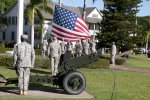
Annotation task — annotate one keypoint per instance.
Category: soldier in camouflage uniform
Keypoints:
(24, 57)
(44, 47)
(85, 47)
(78, 48)
(54, 53)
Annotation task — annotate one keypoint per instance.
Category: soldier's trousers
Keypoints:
(23, 79)
(113, 59)
(54, 65)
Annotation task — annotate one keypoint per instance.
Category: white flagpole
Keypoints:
(20, 19)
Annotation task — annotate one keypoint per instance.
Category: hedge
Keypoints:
(44, 63)
(39, 62)
(118, 60)
(2, 50)
(99, 64)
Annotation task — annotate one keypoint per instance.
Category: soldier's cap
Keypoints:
(24, 36)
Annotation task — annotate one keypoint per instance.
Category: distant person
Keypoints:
(113, 53)
(78, 48)
(85, 45)
(44, 47)
(54, 53)
(24, 57)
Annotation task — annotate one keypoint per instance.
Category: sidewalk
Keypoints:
(136, 69)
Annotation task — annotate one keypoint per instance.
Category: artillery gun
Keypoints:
(68, 79)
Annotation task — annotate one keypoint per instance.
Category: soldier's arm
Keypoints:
(32, 57)
(15, 56)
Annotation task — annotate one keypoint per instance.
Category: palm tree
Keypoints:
(37, 7)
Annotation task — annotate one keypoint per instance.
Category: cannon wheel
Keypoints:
(74, 83)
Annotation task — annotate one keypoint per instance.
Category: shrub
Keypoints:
(2, 45)
(2, 50)
(118, 60)
(39, 62)
(99, 64)
(38, 51)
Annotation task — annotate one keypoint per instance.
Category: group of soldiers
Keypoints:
(24, 57)
(57, 51)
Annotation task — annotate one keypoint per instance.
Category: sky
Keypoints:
(144, 9)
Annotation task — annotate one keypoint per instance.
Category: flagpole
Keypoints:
(20, 19)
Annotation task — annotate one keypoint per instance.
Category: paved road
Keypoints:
(137, 69)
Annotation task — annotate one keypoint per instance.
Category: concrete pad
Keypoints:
(11, 92)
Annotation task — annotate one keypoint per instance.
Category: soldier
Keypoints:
(93, 46)
(85, 47)
(78, 47)
(113, 53)
(54, 53)
(69, 48)
(44, 47)
(24, 57)
(63, 47)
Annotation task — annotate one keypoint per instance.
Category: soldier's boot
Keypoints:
(25, 93)
(20, 92)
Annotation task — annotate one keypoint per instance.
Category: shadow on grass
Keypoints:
(39, 71)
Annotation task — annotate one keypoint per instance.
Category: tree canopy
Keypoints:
(119, 24)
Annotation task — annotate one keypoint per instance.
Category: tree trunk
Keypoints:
(32, 33)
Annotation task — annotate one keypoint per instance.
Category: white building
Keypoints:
(93, 17)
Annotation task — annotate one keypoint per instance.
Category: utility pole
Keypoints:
(84, 10)
(59, 3)
(20, 19)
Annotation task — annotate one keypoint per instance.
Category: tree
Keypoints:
(36, 7)
(118, 25)
(5, 5)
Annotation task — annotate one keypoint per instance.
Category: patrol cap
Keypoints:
(24, 36)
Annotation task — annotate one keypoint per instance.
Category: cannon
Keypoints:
(68, 78)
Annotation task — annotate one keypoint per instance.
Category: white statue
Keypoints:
(54, 53)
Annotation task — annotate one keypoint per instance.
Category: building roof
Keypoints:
(77, 10)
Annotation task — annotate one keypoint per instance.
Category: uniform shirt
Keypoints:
(24, 55)
(54, 49)
(113, 50)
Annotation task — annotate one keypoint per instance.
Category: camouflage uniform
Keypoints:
(54, 52)
(24, 57)
(113, 53)
(44, 48)
(78, 47)
(85, 47)
(63, 47)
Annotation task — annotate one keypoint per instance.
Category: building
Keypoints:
(9, 34)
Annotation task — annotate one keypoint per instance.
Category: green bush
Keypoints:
(99, 64)
(118, 60)
(38, 51)
(2, 50)
(2, 45)
(39, 62)
(42, 63)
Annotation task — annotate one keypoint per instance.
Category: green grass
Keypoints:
(138, 61)
(129, 85)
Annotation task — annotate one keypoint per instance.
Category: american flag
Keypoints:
(68, 26)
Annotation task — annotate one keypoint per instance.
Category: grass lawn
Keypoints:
(129, 85)
(138, 61)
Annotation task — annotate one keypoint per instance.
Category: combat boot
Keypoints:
(25, 93)
(20, 92)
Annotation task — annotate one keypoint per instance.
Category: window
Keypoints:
(95, 15)
(25, 33)
(16, 20)
(12, 36)
(36, 21)
(9, 20)
(91, 26)
(97, 27)
(13, 20)
(4, 35)
(25, 22)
